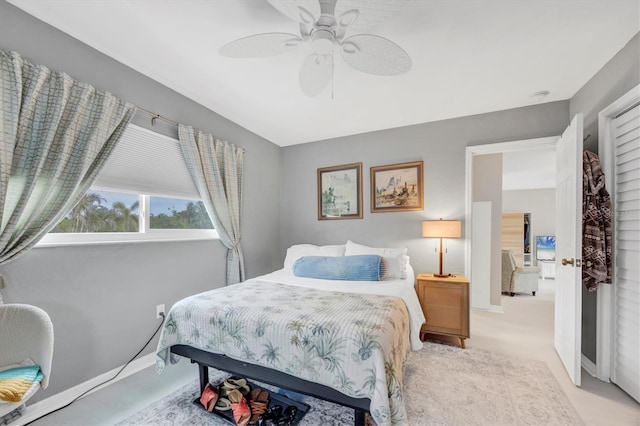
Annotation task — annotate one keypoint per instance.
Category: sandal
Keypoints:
(288, 415)
(241, 411)
(258, 401)
(231, 384)
(271, 415)
(209, 397)
(235, 382)
(223, 404)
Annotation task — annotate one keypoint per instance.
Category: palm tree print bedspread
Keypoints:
(355, 343)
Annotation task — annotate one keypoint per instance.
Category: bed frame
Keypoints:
(273, 377)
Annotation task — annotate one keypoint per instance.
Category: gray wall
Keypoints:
(102, 298)
(487, 186)
(441, 145)
(617, 77)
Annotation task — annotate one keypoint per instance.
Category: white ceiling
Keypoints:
(469, 57)
(530, 169)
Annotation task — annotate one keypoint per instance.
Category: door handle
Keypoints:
(566, 262)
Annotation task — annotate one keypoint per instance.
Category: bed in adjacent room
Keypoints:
(344, 340)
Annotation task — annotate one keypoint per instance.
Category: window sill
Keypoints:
(165, 235)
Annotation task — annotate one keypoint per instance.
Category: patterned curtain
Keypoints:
(216, 168)
(55, 136)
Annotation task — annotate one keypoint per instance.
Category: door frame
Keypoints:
(604, 297)
(493, 148)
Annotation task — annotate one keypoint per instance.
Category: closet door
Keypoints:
(626, 222)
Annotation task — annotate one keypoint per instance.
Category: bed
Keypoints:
(345, 341)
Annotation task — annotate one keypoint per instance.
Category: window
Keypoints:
(143, 193)
(102, 211)
(174, 213)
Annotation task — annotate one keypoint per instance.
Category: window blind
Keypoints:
(626, 339)
(149, 163)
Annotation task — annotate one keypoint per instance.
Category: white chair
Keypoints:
(516, 279)
(26, 337)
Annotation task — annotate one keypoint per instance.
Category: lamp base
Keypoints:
(442, 275)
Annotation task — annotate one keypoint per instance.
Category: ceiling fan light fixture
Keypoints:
(322, 43)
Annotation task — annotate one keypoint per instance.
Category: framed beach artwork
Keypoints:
(340, 192)
(397, 188)
(546, 247)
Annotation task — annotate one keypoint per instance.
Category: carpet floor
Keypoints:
(444, 385)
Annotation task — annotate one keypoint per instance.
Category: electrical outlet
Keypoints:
(159, 310)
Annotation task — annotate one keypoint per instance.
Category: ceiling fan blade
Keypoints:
(375, 55)
(315, 73)
(260, 45)
(302, 11)
(358, 15)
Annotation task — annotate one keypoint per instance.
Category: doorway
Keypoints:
(489, 294)
(538, 310)
(568, 147)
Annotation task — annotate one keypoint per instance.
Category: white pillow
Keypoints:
(295, 252)
(396, 258)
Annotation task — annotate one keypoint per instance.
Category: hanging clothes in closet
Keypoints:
(596, 224)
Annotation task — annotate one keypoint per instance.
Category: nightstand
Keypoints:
(445, 304)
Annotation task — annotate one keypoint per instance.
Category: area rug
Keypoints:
(444, 385)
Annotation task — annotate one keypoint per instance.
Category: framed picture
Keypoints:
(546, 247)
(397, 188)
(340, 192)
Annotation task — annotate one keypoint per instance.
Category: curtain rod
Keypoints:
(155, 117)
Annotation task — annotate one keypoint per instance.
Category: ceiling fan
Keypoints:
(324, 24)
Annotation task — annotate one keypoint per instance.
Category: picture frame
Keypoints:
(546, 247)
(340, 192)
(397, 187)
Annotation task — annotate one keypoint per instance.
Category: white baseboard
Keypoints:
(63, 398)
(589, 366)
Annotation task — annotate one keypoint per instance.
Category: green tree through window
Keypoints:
(192, 216)
(94, 214)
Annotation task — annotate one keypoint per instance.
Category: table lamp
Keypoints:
(441, 229)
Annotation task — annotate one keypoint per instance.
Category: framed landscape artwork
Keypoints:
(397, 187)
(340, 192)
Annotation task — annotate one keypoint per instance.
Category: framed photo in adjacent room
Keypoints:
(546, 247)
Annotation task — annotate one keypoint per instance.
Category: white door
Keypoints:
(626, 188)
(568, 302)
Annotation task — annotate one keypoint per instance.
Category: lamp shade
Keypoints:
(441, 228)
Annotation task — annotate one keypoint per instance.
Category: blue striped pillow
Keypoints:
(365, 267)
